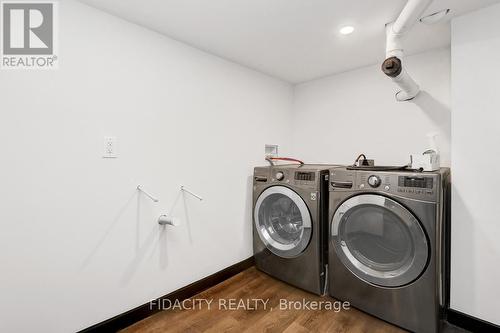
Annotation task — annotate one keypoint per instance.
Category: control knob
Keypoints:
(374, 181)
(280, 175)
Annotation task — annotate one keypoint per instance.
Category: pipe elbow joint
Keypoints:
(393, 68)
(394, 42)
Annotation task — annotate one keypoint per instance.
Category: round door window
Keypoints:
(282, 221)
(379, 240)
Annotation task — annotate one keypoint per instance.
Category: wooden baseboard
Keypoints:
(470, 323)
(141, 312)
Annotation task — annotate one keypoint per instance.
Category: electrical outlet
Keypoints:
(271, 150)
(110, 150)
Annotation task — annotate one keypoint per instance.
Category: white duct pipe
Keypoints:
(410, 15)
(395, 33)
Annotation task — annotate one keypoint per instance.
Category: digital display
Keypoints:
(416, 182)
(309, 176)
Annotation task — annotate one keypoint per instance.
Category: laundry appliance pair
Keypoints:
(374, 237)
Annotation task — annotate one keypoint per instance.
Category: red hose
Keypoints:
(289, 159)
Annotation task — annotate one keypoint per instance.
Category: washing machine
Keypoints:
(388, 238)
(290, 221)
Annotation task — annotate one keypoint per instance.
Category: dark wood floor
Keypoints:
(252, 284)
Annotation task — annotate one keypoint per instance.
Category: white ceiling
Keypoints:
(295, 40)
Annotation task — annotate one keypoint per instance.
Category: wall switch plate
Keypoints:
(110, 149)
(271, 151)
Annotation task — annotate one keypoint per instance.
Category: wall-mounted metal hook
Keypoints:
(152, 197)
(193, 194)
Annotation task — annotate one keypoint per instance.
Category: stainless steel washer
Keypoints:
(387, 244)
(290, 223)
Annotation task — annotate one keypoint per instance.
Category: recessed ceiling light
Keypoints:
(347, 30)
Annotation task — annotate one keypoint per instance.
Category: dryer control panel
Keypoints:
(420, 186)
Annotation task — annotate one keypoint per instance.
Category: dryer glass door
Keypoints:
(379, 240)
(283, 221)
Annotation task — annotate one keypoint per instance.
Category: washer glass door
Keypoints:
(283, 221)
(379, 240)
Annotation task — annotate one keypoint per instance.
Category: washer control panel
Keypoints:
(287, 176)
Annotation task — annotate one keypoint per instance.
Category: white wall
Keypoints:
(77, 243)
(475, 248)
(340, 116)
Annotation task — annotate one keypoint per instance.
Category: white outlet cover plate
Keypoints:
(110, 147)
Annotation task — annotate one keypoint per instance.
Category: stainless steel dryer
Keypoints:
(290, 223)
(387, 244)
